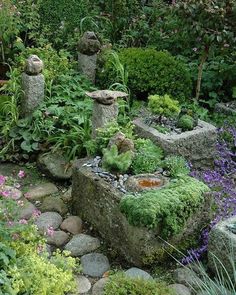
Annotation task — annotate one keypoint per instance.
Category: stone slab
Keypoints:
(197, 146)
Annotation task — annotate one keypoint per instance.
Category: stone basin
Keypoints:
(98, 202)
(143, 182)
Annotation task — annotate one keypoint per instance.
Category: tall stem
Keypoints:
(200, 71)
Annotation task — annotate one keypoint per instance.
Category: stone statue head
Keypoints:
(33, 65)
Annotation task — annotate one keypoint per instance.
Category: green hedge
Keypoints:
(149, 72)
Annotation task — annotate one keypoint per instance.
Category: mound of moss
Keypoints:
(169, 207)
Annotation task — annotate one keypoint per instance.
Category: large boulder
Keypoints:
(55, 166)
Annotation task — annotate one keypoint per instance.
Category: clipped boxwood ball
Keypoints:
(149, 72)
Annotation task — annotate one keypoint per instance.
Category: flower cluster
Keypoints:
(221, 181)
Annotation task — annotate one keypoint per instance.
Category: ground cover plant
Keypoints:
(25, 267)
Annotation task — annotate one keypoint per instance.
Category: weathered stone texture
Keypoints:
(103, 114)
(222, 247)
(33, 87)
(197, 146)
(97, 202)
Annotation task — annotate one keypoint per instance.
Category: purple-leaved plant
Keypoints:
(221, 181)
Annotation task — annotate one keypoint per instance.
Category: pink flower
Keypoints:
(36, 213)
(5, 194)
(21, 174)
(10, 223)
(50, 231)
(23, 221)
(2, 179)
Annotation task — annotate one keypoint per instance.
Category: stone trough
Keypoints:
(97, 202)
(197, 146)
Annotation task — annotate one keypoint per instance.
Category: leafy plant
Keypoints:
(171, 206)
(147, 156)
(176, 166)
(121, 284)
(185, 122)
(150, 72)
(115, 162)
(163, 106)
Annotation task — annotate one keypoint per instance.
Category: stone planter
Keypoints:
(222, 244)
(197, 146)
(225, 109)
(97, 202)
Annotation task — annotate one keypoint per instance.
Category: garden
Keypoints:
(118, 147)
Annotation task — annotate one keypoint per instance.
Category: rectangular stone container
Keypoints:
(97, 202)
(222, 244)
(197, 146)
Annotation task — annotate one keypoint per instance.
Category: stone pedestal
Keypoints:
(87, 65)
(103, 114)
(33, 93)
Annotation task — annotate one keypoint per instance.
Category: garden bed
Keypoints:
(197, 146)
(98, 202)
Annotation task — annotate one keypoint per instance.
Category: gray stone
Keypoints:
(98, 202)
(87, 65)
(54, 204)
(33, 65)
(33, 93)
(11, 191)
(135, 272)
(102, 115)
(94, 264)
(197, 146)
(188, 277)
(222, 248)
(72, 224)
(48, 219)
(40, 191)
(55, 166)
(83, 285)
(81, 244)
(123, 144)
(66, 197)
(106, 97)
(180, 289)
(26, 211)
(98, 287)
(89, 43)
(58, 239)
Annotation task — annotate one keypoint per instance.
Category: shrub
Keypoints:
(147, 156)
(186, 122)
(171, 206)
(120, 284)
(150, 72)
(114, 162)
(163, 105)
(176, 166)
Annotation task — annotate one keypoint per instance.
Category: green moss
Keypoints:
(176, 166)
(120, 284)
(169, 207)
